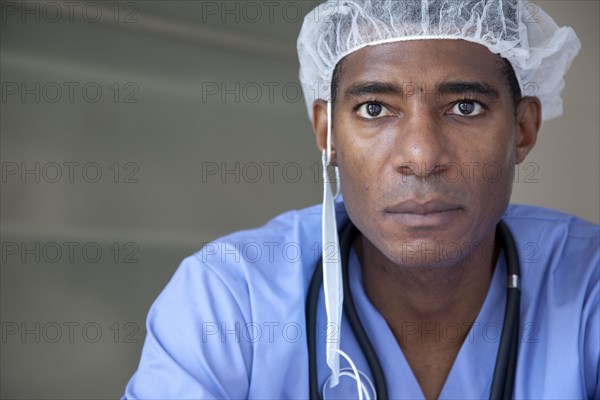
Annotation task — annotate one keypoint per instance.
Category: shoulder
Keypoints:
(237, 301)
(282, 239)
(550, 221)
(560, 289)
(276, 259)
(560, 264)
(290, 241)
(554, 242)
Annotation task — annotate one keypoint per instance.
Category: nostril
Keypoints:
(409, 168)
(421, 169)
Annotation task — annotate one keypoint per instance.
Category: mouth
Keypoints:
(423, 214)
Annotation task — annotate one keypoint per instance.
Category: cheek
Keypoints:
(353, 161)
(362, 154)
(355, 179)
(359, 179)
(494, 149)
(492, 180)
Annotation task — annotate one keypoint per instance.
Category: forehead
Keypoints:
(423, 61)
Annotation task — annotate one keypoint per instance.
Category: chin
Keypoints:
(426, 253)
(423, 246)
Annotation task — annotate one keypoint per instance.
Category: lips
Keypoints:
(432, 214)
(428, 207)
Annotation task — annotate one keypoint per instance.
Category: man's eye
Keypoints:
(372, 110)
(467, 108)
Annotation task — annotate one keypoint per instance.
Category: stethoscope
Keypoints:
(504, 372)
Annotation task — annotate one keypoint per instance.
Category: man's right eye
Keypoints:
(372, 110)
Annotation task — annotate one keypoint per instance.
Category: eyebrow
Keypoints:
(443, 88)
(373, 87)
(457, 88)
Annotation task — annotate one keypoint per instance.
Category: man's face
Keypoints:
(426, 140)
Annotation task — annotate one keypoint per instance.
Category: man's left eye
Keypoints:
(467, 108)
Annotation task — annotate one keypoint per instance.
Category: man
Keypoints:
(417, 100)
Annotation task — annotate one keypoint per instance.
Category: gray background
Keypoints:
(149, 113)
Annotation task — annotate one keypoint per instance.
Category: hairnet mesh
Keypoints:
(539, 51)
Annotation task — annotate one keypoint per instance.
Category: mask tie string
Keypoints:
(332, 271)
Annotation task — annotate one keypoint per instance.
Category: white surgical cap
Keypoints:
(539, 51)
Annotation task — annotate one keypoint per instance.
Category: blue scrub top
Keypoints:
(231, 322)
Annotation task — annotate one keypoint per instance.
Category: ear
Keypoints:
(529, 122)
(320, 127)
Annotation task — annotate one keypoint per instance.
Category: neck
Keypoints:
(430, 310)
(428, 294)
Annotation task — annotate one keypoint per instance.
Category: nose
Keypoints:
(420, 147)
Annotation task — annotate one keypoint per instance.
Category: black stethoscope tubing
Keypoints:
(504, 372)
